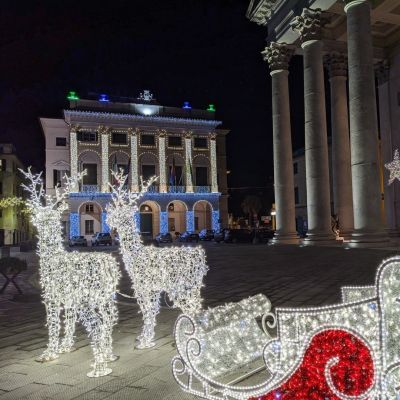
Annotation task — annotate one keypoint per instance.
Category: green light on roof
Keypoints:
(72, 96)
(211, 108)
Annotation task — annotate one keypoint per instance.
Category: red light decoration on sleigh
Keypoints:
(346, 351)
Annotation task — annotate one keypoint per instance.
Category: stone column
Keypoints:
(278, 56)
(308, 25)
(134, 161)
(104, 161)
(341, 159)
(368, 226)
(188, 163)
(162, 162)
(213, 163)
(73, 148)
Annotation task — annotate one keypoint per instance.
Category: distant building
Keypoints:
(182, 146)
(14, 225)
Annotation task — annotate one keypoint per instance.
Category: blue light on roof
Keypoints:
(104, 97)
(186, 105)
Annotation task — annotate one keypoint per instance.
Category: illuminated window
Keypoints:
(148, 140)
(200, 143)
(87, 136)
(61, 141)
(119, 138)
(174, 141)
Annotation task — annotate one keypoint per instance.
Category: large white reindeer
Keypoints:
(81, 284)
(177, 271)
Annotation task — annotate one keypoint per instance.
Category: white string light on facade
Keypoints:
(83, 285)
(346, 351)
(176, 271)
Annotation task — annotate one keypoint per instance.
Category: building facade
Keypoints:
(14, 224)
(358, 42)
(181, 146)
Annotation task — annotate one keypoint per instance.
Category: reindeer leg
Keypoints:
(150, 308)
(53, 324)
(110, 316)
(95, 328)
(69, 321)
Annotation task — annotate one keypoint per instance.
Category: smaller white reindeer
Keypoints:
(177, 271)
(81, 284)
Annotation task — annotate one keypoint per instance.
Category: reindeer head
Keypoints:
(124, 203)
(46, 210)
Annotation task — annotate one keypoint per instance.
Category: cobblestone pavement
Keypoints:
(288, 275)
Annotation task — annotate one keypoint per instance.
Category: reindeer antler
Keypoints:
(36, 182)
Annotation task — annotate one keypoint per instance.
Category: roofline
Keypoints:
(139, 118)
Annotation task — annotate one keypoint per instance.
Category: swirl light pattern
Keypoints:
(346, 351)
(177, 271)
(82, 285)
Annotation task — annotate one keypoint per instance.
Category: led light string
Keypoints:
(83, 285)
(177, 271)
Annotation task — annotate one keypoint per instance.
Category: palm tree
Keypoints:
(251, 206)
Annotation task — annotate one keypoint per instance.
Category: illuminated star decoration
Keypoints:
(394, 167)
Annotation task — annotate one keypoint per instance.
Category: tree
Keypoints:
(251, 206)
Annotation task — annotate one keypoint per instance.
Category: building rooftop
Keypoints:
(144, 105)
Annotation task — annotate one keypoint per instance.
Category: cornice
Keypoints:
(88, 116)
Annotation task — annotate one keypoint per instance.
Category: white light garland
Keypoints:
(134, 162)
(188, 163)
(81, 284)
(176, 271)
(364, 330)
(162, 162)
(104, 162)
(213, 162)
(73, 143)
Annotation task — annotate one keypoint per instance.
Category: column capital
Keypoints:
(74, 128)
(212, 136)
(188, 134)
(351, 3)
(309, 24)
(162, 133)
(382, 70)
(277, 55)
(336, 63)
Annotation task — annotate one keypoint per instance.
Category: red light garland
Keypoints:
(352, 375)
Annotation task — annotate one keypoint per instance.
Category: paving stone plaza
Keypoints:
(288, 275)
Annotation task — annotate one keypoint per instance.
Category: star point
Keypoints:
(394, 167)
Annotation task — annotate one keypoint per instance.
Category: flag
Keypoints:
(172, 175)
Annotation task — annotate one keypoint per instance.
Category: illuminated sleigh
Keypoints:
(346, 351)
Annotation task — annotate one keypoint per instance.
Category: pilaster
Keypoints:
(188, 163)
(213, 163)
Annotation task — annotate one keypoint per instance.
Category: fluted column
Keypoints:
(188, 163)
(368, 226)
(308, 25)
(134, 160)
(278, 56)
(104, 161)
(213, 163)
(73, 148)
(341, 160)
(162, 162)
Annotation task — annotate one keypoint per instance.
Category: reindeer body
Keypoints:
(81, 284)
(176, 271)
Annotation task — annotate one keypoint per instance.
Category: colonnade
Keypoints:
(104, 134)
(355, 168)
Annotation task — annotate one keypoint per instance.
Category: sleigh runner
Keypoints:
(345, 351)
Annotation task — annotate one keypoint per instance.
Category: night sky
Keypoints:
(202, 51)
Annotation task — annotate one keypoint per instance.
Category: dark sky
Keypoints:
(202, 51)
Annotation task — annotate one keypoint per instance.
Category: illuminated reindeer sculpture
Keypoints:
(81, 284)
(177, 271)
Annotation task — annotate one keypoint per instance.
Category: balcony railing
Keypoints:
(202, 189)
(176, 189)
(89, 188)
